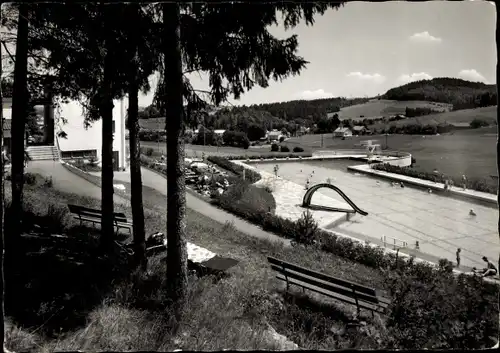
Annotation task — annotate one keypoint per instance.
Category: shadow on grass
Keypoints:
(53, 282)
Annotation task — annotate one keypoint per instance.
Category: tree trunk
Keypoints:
(2, 196)
(19, 109)
(107, 191)
(135, 177)
(176, 187)
(498, 127)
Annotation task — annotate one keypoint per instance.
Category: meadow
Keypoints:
(469, 152)
(385, 107)
(488, 114)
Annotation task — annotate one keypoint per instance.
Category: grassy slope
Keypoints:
(460, 116)
(211, 323)
(471, 152)
(384, 107)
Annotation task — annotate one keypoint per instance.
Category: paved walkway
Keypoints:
(159, 183)
(66, 181)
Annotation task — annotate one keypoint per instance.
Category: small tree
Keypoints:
(306, 229)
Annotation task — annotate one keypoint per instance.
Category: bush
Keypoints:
(306, 229)
(30, 178)
(477, 123)
(282, 138)
(284, 148)
(274, 147)
(149, 152)
(474, 184)
(298, 149)
(247, 198)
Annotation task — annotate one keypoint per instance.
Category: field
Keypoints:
(459, 116)
(472, 152)
(378, 108)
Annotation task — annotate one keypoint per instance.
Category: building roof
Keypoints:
(220, 131)
(342, 129)
(359, 128)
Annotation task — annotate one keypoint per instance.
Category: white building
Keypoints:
(80, 142)
(342, 132)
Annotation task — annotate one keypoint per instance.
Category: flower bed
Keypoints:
(473, 184)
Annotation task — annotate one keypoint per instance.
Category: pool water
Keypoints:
(440, 224)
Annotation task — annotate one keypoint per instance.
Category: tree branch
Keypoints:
(8, 52)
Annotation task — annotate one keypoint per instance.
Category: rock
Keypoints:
(283, 343)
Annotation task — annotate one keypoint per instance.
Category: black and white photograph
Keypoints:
(223, 175)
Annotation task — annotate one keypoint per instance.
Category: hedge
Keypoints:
(270, 155)
(250, 175)
(473, 184)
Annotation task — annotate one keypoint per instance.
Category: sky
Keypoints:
(364, 49)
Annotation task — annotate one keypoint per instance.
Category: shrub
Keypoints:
(48, 182)
(149, 152)
(477, 123)
(247, 198)
(284, 148)
(282, 138)
(298, 149)
(30, 178)
(306, 229)
(274, 147)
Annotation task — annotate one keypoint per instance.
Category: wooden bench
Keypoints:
(95, 216)
(346, 291)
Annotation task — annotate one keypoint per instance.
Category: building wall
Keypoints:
(78, 138)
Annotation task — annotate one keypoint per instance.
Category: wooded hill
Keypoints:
(460, 93)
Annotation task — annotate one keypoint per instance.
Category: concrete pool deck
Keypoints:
(456, 190)
(441, 224)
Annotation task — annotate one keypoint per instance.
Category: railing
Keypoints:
(394, 243)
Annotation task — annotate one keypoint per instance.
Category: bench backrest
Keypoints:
(333, 284)
(84, 211)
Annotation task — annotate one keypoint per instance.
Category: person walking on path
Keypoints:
(464, 182)
(458, 257)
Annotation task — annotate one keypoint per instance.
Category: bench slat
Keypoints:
(343, 290)
(345, 299)
(357, 287)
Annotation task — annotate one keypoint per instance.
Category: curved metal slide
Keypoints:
(308, 195)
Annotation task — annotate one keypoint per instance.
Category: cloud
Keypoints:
(377, 78)
(317, 94)
(425, 37)
(416, 76)
(471, 75)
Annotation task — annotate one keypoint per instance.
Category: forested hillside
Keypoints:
(462, 94)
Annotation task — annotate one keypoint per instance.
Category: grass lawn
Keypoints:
(376, 108)
(488, 114)
(127, 315)
(471, 152)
